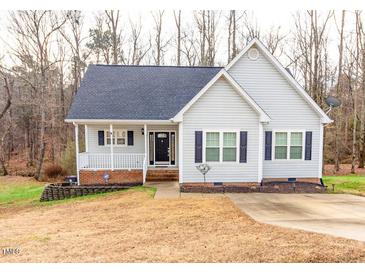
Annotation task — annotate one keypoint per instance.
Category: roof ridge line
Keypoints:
(154, 66)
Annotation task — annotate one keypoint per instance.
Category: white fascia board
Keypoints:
(116, 121)
(263, 116)
(324, 117)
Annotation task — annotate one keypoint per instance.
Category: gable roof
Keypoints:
(223, 73)
(121, 92)
(324, 117)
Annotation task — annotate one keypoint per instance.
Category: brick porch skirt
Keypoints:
(268, 186)
(116, 176)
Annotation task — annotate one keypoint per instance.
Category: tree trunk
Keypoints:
(338, 93)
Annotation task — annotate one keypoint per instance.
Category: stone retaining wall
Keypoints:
(58, 192)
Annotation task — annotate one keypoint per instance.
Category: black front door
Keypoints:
(162, 145)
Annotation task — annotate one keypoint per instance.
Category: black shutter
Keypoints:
(243, 147)
(308, 145)
(130, 138)
(198, 146)
(268, 144)
(101, 137)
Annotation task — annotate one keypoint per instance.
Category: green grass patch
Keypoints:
(352, 184)
(14, 194)
(20, 193)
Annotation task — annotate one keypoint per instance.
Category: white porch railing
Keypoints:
(104, 161)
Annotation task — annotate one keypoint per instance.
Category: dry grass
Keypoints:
(132, 227)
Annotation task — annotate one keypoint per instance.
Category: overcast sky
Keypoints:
(265, 19)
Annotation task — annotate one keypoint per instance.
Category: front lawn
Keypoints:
(352, 184)
(131, 226)
(17, 193)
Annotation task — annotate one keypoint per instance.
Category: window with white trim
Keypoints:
(296, 145)
(288, 145)
(229, 146)
(221, 146)
(212, 147)
(119, 137)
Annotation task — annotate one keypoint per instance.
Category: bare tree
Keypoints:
(138, 49)
(178, 38)
(207, 22)
(233, 23)
(158, 43)
(338, 92)
(34, 30)
(113, 18)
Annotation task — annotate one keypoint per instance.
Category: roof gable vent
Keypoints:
(253, 54)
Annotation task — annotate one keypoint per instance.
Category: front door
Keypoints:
(162, 147)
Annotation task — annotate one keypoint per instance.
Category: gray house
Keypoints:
(249, 121)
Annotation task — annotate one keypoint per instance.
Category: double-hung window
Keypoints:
(119, 137)
(212, 147)
(229, 146)
(221, 146)
(288, 145)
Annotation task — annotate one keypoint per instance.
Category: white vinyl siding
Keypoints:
(286, 108)
(221, 109)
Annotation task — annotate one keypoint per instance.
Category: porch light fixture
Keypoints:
(142, 131)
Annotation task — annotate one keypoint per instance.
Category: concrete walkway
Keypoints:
(335, 214)
(166, 190)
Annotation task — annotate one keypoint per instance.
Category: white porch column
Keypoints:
(181, 145)
(77, 151)
(145, 152)
(145, 139)
(86, 139)
(111, 146)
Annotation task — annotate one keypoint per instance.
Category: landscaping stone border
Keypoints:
(54, 192)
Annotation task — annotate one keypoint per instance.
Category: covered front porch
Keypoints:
(126, 152)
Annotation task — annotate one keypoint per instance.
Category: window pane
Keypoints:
(296, 152)
(280, 138)
(229, 139)
(108, 141)
(120, 141)
(229, 154)
(212, 155)
(296, 139)
(280, 152)
(212, 139)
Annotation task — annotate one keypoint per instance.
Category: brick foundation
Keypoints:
(299, 180)
(265, 187)
(116, 176)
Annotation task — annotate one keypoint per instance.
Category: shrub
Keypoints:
(54, 171)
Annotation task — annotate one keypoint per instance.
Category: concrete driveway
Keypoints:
(335, 214)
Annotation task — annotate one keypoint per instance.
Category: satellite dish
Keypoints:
(332, 102)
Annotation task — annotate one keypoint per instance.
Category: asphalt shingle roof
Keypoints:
(137, 92)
